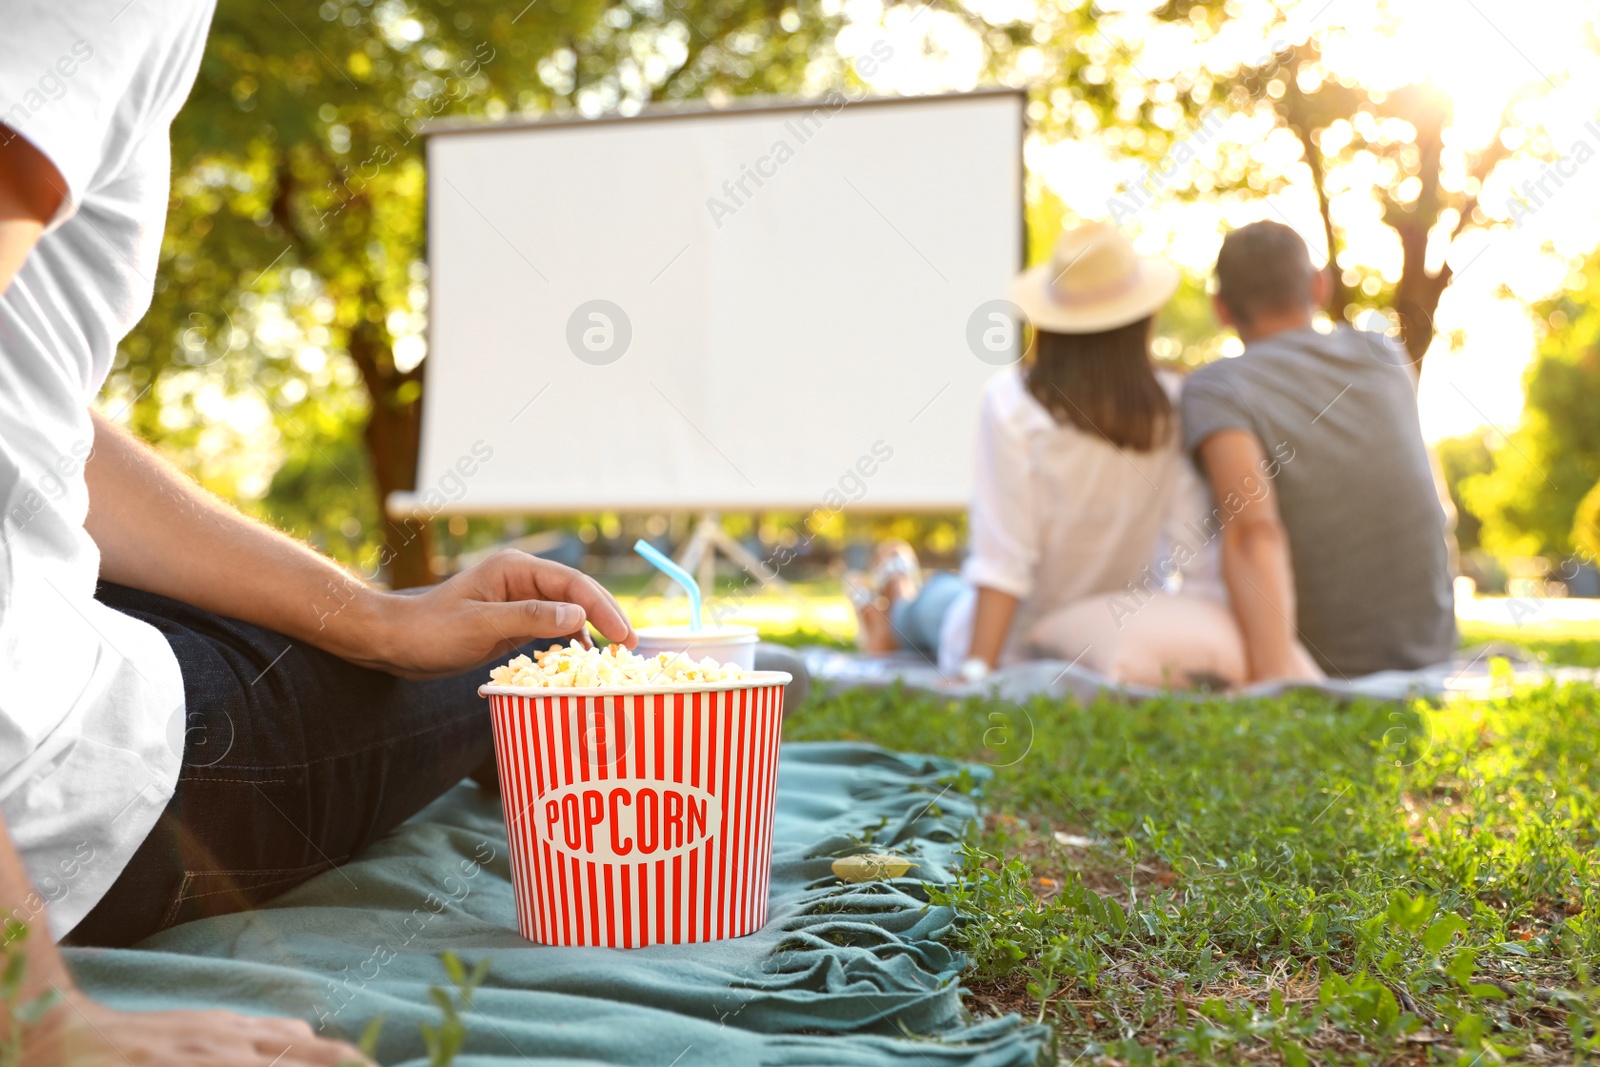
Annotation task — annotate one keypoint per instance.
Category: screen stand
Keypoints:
(699, 558)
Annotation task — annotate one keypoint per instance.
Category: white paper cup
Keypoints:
(725, 644)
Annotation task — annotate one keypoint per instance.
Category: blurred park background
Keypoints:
(1441, 156)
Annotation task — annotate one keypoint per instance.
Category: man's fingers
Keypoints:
(601, 611)
(528, 578)
(630, 638)
(292, 1043)
(309, 1051)
(555, 617)
(332, 1054)
(523, 620)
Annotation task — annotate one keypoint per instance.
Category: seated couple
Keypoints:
(1310, 543)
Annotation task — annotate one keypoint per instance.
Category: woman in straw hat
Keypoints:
(1087, 518)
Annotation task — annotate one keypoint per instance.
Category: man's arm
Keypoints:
(160, 532)
(1255, 556)
(30, 195)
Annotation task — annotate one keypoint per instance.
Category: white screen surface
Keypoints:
(775, 332)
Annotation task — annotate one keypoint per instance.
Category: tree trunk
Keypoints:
(394, 426)
(1338, 292)
(391, 436)
(1416, 297)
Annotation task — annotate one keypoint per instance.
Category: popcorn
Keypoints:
(575, 666)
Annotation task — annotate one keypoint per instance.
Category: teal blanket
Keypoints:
(841, 975)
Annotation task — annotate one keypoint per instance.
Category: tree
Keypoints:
(1586, 526)
(1420, 207)
(292, 278)
(1529, 502)
(1460, 459)
(1402, 147)
(292, 292)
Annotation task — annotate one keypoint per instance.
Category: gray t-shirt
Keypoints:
(1336, 415)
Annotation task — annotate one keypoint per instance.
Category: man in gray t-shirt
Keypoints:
(1331, 524)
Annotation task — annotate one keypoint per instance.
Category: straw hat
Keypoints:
(1094, 281)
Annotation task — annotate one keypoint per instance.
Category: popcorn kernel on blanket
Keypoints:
(574, 666)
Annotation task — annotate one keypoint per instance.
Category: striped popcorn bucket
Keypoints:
(639, 816)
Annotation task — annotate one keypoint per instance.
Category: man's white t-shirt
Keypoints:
(91, 700)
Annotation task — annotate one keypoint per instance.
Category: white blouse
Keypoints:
(1059, 514)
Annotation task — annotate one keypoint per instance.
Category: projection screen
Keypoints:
(720, 309)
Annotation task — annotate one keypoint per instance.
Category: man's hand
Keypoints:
(482, 614)
(81, 1033)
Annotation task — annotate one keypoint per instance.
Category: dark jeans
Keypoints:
(294, 761)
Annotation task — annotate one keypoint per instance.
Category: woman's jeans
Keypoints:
(294, 761)
(917, 621)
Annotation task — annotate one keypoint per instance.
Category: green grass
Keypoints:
(1576, 644)
(808, 637)
(1275, 881)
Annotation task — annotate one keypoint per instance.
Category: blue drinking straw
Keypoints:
(677, 574)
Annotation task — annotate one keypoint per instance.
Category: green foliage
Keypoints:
(1586, 525)
(1289, 879)
(368, 1044)
(444, 1041)
(20, 1014)
(1529, 501)
(1462, 458)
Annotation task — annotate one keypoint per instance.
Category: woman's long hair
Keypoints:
(1103, 383)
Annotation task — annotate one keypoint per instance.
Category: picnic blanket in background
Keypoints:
(842, 975)
(1474, 674)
